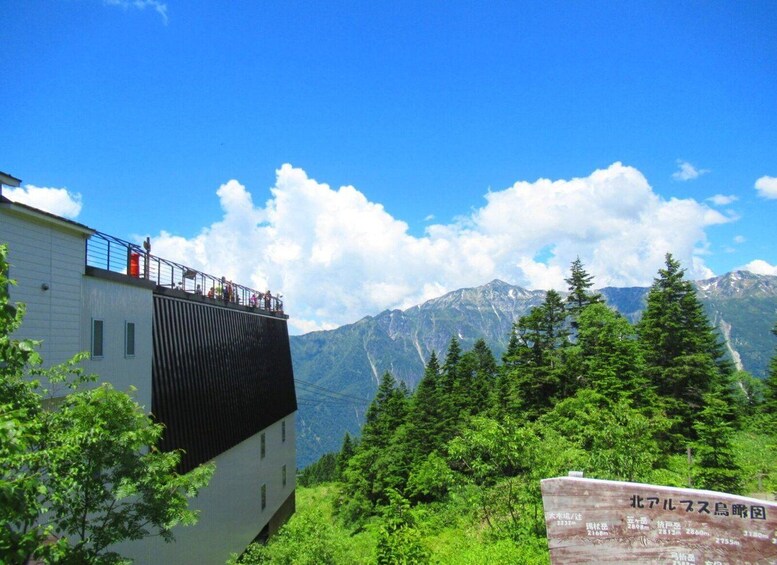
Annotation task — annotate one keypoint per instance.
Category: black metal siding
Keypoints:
(219, 375)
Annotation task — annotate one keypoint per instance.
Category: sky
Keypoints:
(357, 156)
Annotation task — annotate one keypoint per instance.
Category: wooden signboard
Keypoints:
(595, 521)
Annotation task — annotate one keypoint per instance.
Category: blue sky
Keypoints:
(364, 155)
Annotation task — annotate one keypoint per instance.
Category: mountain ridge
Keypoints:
(351, 359)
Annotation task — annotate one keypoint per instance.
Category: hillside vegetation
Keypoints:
(351, 359)
(450, 472)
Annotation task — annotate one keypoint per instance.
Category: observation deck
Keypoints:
(110, 254)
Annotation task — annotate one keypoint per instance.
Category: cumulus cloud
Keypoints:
(760, 267)
(336, 256)
(722, 199)
(686, 171)
(57, 201)
(767, 187)
(159, 7)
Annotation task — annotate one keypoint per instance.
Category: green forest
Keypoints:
(450, 472)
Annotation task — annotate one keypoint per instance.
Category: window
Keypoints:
(283, 431)
(129, 339)
(283, 475)
(264, 497)
(262, 446)
(97, 338)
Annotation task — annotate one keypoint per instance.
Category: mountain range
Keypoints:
(337, 371)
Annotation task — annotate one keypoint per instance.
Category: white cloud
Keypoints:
(739, 239)
(337, 257)
(158, 7)
(722, 199)
(57, 201)
(760, 267)
(687, 171)
(767, 187)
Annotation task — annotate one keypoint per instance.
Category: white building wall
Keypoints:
(51, 253)
(240, 474)
(116, 304)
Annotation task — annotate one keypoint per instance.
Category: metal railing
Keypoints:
(104, 251)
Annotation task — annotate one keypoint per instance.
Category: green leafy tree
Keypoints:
(399, 541)
(85, 475)
(620, 442)
(309, 538)
(431, 479)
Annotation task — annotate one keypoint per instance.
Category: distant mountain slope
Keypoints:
(351, 359)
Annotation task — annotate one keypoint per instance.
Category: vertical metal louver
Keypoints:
(219, 376)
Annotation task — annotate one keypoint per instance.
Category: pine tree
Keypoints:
(683, 357)
(718, 469)
(449, 390)
(483, 377)
(346, 452)
(385, 414)
(502, 394)
(536, 365)
(611, 362)
(426, 431)
(579, 282)
(770, 392)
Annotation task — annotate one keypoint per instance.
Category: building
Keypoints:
(209, 359)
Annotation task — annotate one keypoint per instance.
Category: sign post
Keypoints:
(596, 521)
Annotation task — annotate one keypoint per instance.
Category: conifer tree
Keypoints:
(346, 452)
(483, 377)
(579, 282)
(611, 361)
(718, 469)
(683, 357)
(770, 391)
(502, 395)
(449, 387)
(426, 433)
(385, 414)
(536, 365)
(372, 466)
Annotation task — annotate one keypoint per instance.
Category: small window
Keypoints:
(97, 338)
(283, 431)
(264, 497)
(262, 446)
(283, 474)
(129, 339)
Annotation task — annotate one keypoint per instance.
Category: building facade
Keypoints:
(208, 358)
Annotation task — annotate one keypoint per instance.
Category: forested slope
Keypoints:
(579, 387)
(350, 360)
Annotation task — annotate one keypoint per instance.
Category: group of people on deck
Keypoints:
(227, 291)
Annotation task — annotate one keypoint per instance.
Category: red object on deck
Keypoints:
(134, 265)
